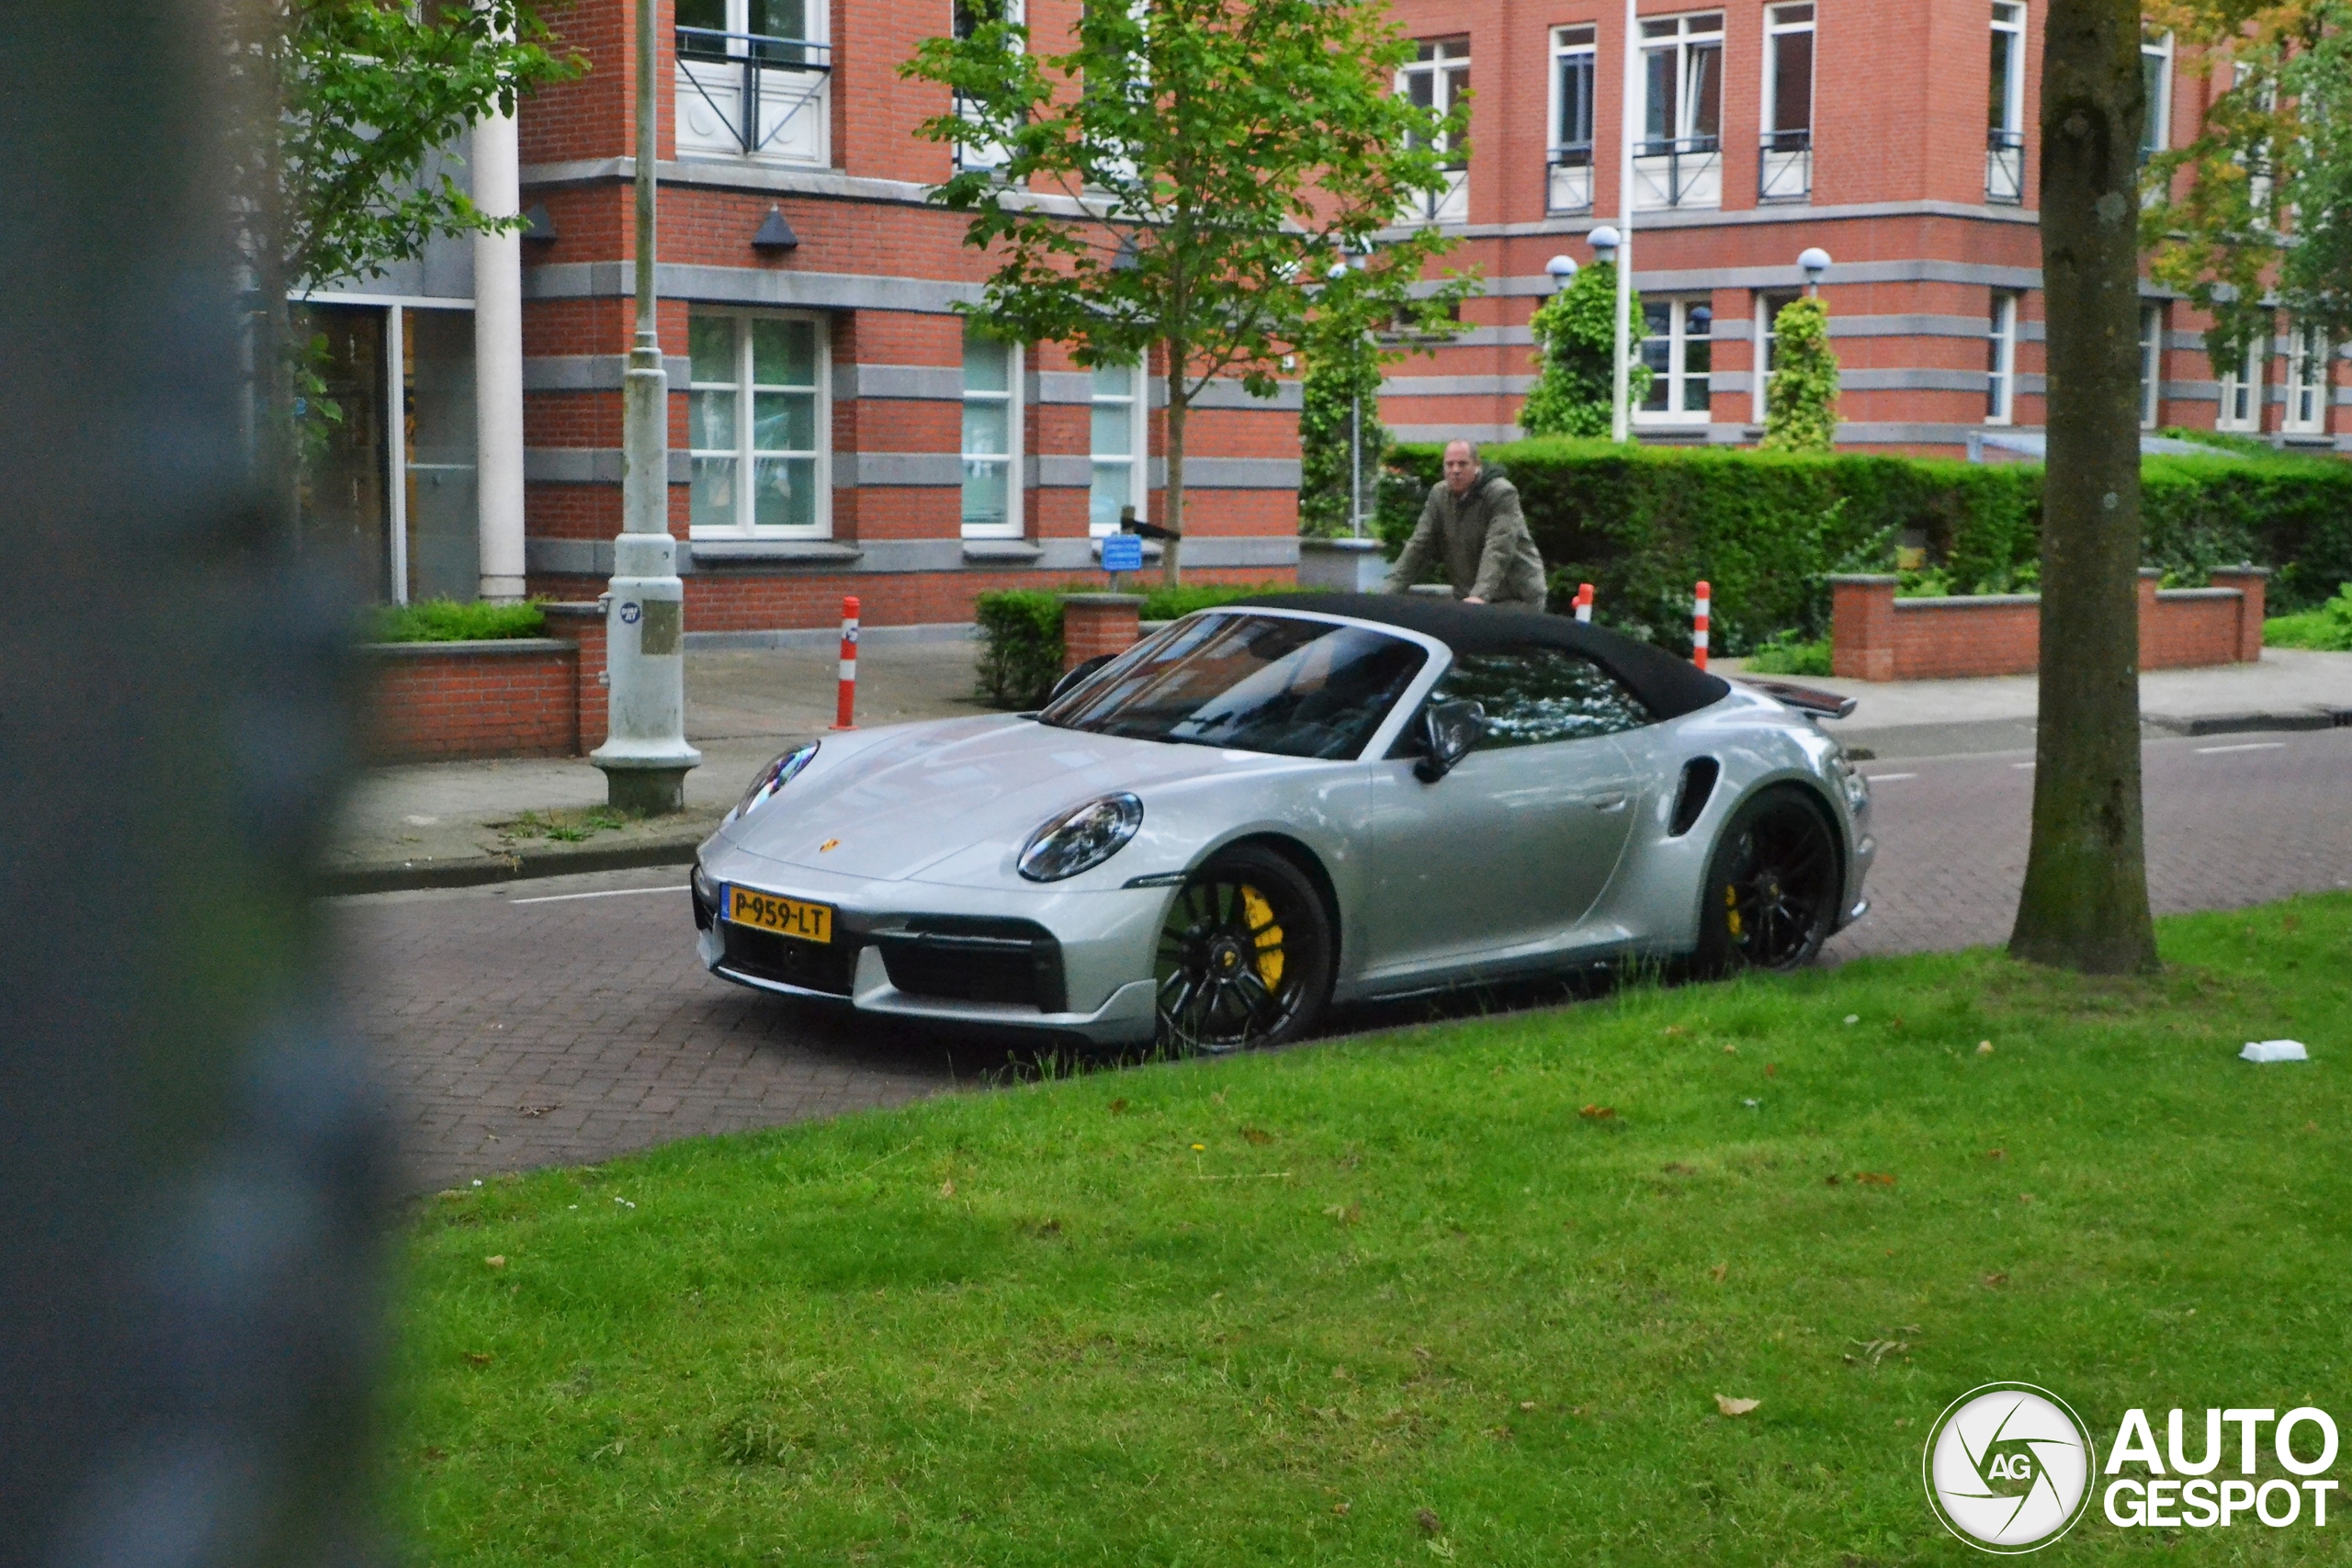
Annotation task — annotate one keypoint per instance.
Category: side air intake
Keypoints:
(1699, 775)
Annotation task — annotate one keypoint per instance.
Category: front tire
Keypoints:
(1772, 886)
(1245, 955)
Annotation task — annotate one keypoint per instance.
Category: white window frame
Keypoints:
(2005, 165)
(1677, 376)
(2001, 368)
(2152, 364)
(2241, 388)
(1010, 459)
(1568, 187)
(746, 391)
(1137, 461)
(993, 155)
(2308, 389)
(1767, 306)
(1441, 66)
(1692, 178)
(805, 135)
(1785, 174)
(2156, 135)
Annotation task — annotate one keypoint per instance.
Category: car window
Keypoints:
(1294, 687)
(1537, 694)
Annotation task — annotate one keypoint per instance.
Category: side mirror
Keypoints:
(1448, 732)
(1077, 676)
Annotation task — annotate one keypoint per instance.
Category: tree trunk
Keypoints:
(2086, 900)
(1171, 569)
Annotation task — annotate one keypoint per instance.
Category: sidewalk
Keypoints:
(2289, 690)
(451, 824)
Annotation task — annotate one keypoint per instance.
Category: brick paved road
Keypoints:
(519, 1033)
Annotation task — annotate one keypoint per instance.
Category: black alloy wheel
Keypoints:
(1772, 886)
(1245, 955)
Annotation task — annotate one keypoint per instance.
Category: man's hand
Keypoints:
(1472, 598)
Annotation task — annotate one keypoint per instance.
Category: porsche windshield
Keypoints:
(1296, 688)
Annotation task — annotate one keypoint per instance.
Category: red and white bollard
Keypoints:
(1698, 627)
(845, 710)
(1584, 603)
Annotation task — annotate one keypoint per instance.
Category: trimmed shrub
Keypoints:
(2327, 629)
(452, 620)
(1167, 604)
(1644, 525)
(1021, 645)
(1801, 400)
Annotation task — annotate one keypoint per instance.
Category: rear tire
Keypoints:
(1245, 955)
(1772, 886)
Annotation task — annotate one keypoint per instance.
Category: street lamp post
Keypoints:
(1607, 249)
(645, 756)
(1814, 262)
(1620, 412)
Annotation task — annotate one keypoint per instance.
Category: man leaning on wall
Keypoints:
(1472, 528)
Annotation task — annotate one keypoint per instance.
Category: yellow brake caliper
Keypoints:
(1731, 908)
(1260, 917)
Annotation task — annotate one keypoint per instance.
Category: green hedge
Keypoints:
(1645, 524)
(1021, 631)
(451, 620)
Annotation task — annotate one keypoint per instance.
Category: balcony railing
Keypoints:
(1686, 172)
(2005, 167)
(1451, 205)
(1569, 180)
(752, 94)
(1784, 168)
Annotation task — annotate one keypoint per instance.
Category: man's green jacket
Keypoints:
(1481, 540)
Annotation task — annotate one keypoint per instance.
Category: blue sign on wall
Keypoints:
(1122, 552)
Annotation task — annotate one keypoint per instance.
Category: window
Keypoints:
(2005, 108)
(756, 424)
(1680, 160)
(1768, 312)
(2257, 161)
(1570, 187)
(2307, 381)
(1785, 172)
(2156, 76)
(1118, 447)
(1435, 80)
(2242, 390)
(992, 435)
(2151, 365)
(1677, 345)
(971, 16)
(751, 80)
(1537, 696)
(1273, 683)
(2001, 361)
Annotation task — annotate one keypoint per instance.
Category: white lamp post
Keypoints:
(1814, 262)
(1608, 247)
(646, 757)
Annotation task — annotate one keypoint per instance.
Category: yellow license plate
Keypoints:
(786, 917)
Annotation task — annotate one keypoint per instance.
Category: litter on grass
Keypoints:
(2273, 1050)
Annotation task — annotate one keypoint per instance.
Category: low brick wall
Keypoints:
(1097, 624)
(437, 701)
(1876, 636)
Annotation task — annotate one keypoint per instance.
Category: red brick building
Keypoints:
(833, 429)
(1898, 135)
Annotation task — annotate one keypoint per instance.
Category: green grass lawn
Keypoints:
(1463, 1294)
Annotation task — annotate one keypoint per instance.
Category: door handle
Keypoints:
(1612, 801)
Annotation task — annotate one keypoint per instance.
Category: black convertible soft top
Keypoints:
(1668, 685)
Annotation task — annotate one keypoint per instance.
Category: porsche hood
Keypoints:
(909, 797)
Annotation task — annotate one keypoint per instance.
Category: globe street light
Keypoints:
(1563, 271)
(1814, 262)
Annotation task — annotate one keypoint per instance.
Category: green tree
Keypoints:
(2257, 213)
(1801, 400)
(1176, 182)
(2085, 904)
(1576, 357)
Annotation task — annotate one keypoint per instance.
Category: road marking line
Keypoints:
(609, 893)
(2248, 746)
(2021, 765)
(1888, 778)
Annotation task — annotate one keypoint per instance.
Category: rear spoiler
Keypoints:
(1809, 700)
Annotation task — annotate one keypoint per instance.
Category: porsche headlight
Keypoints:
(773, 777)
(1080, 839)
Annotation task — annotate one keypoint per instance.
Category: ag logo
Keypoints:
(2008, 1468)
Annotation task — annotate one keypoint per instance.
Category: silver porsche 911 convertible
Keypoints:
(1267, 808)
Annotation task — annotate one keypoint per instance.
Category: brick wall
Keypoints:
(437, 701)
(1877, 636)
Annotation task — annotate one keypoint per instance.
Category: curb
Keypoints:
(2240, 723)
(674, 846)
(1897, 742)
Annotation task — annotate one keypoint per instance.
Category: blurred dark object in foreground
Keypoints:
(191, 1170)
